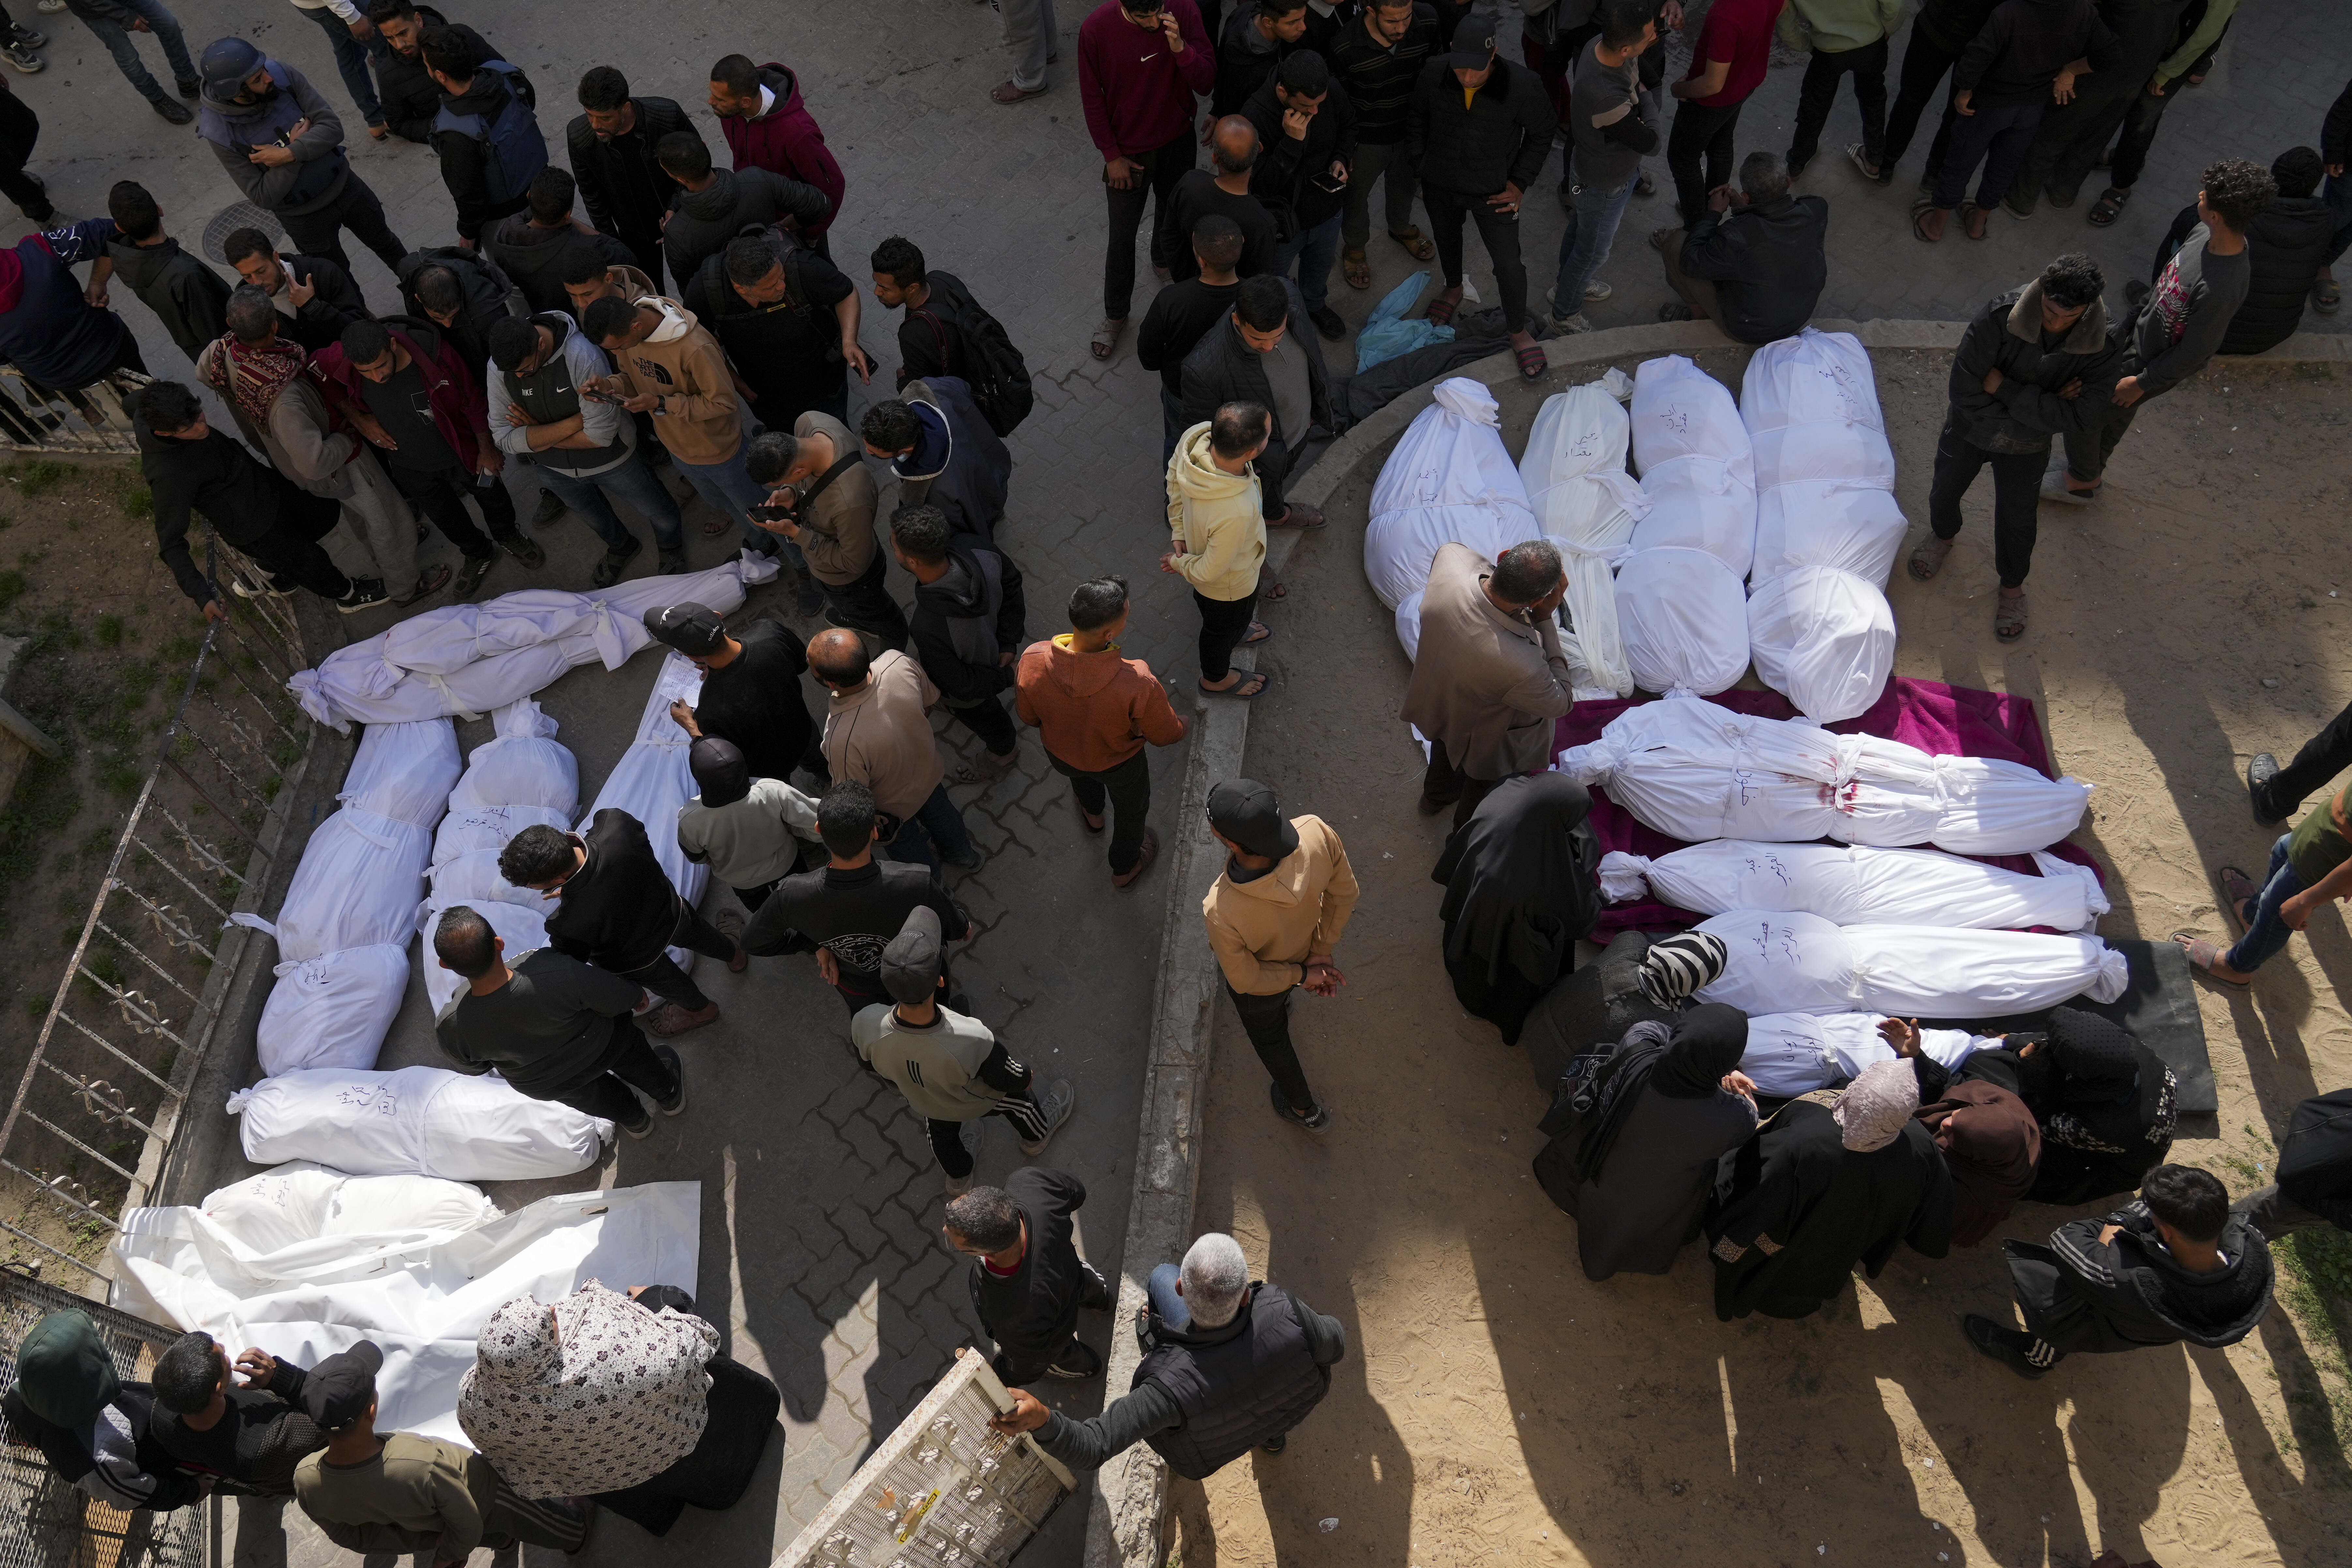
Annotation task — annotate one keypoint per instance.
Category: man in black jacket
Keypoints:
(787, 320)
(1476, 157)
(1378, 59)
(316, 297)
(531, 246)
(714, 205)
(476, 101)
(621, 184)
(255, 1433)
(188, 296)
(1308, 131)
(1257, 37)
(1223, 189)
(1755, 265)
(1028, 1279)
(552, 1027)
(462, 294)
(1230, 1365)
(1182, 315)
(616, 907)
(2034, 366)
(2176, 1265)
(969, 623)
(937, 304)
(1255, 357)
(189, 466)
(848, 912)
(96, 1431)
(411, 97)
(2283, 247)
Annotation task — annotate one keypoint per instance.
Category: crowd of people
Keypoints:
(543, 337)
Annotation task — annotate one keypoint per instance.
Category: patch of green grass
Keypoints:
(12, 587)
(109, 631)
(58, 630)
(44, 804)
(138, 502)
(38, 476)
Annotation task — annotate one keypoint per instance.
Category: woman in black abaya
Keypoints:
(1520, 891)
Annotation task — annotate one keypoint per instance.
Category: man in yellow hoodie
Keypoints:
(1218, 545)
(1274, 918)
(672, 368)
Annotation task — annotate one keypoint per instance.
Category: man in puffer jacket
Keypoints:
(714, 205)
(2035, 364)
(2283, 247)
(283, 145)
(1216, 518)
(479, 93)
(969, 622)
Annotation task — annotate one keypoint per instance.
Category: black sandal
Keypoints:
(2109, 207)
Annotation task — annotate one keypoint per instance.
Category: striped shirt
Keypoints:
(1378, 77)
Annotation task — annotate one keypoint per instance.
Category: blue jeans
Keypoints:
(729, 489)
(352, 62)
(631, 482)
(1999, 136)
(1314, 249)
(2266, 932)
(166, 28)
(937, 826)
(1592, 219)
(1166, 1305)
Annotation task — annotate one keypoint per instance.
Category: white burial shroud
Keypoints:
(1696, 463)
(1790, 1054)
(1852, 884)
(258, 1264)
(416, 1121)
(1782, 962)
(1448, 480)
(1684, 619)
(1824, 639)
(1696, 771)
(1586, 505)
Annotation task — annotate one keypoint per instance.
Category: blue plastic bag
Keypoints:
(1388, 334)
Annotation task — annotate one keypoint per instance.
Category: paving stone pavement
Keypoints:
(820, 1249)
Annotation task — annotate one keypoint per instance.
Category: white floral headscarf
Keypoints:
(593, 1394)
(1875, 1107)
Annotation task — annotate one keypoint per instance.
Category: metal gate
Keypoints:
(33, 418)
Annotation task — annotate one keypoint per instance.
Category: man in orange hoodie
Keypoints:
(1094, 712)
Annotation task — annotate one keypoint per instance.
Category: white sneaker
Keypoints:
(1056, 1099)
(1580, 322)
(1596, 291)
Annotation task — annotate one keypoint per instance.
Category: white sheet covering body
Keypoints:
(1790, 1054)
(465, 660)
(1684, 619)
(523, 774)
(419, 1122)
(1854, 527)
(1448, 480)
(421, 1294)
(1696, 466)
(1810, 406)
(1852, 884)
(1824, 639)
(1783, 962)
(652, 780)
(1697, 771)
(301, 1200)
(1587, 504)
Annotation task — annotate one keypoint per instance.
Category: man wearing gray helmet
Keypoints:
(283, 145)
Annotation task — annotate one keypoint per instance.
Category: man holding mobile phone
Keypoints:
(1308, 128)
(1140, 64)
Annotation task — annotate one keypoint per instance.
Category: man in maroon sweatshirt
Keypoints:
(1140, 64)
(767, 127)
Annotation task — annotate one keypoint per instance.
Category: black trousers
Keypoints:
(2139, 133)
(991, 720)
(290, 552)
(645, 242)
(1272, 472)
(1223, 624)
(865, 606)
(1021, 1110)
(1443, 783)
(2067, 144)
(20, 127)
(355, 207)
(752, 897)
(1867, 65)
(1926, 64)
(1125, 792)
(2016, 498)
(441, 496)
(1700, 134)
(665, 979)
(2323, 756)
(2088, 451)
(1267, 1021)
(1498, 231)
(1162, 167)
(607, 1094)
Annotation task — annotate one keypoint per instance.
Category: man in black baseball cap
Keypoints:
(393, 1493)
(1273, 919)
(751, 693)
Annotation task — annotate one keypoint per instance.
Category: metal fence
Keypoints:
(45, 1523)
(136, 1008)
(33, 418)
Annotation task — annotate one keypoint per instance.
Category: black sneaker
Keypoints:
(675, 1102)
(1096, 1298)
(1328, 323)
(2259, 773)
(2002, 1344)
(673, 563)
(24, 37)
(365, 591)
(1314, 1120)
(525, 548)
(643, 1127)
(1077, 1362)
(551, 509)
(173, 110)
(470, 575)
(190, 88)
(617, 561)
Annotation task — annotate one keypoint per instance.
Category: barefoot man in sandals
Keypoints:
(2310, 866)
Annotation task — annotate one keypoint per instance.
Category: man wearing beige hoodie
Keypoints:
(669, 367)
(1218, 523)
(1096, 711)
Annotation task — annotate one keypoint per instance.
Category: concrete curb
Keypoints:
(1125, 1508)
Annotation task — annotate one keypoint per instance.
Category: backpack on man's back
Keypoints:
(974, 345)
(513, 151)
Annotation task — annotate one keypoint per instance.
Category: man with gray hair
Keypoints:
(1228, 1365)
(1488, 678)
(1755, 264)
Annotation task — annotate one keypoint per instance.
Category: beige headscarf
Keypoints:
(1875, 1105)
(593, 1394)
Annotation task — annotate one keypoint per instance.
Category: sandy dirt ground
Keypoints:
(1497, 1407)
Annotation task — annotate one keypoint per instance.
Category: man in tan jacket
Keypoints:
(1274, 918)
(877, 731)
(1489, 677)
(822, 497)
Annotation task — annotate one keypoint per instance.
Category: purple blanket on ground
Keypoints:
(1939, 719)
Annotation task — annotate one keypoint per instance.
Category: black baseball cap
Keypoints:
(1246, 811)
(693, 630)
(1471, 53)
(337, 1390)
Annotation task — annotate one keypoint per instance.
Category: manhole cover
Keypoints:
(234, 216)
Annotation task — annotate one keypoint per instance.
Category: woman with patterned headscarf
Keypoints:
(1837, 1177)
(622, 1399)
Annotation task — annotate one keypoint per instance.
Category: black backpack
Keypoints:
(991, 365)
(718, 298)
